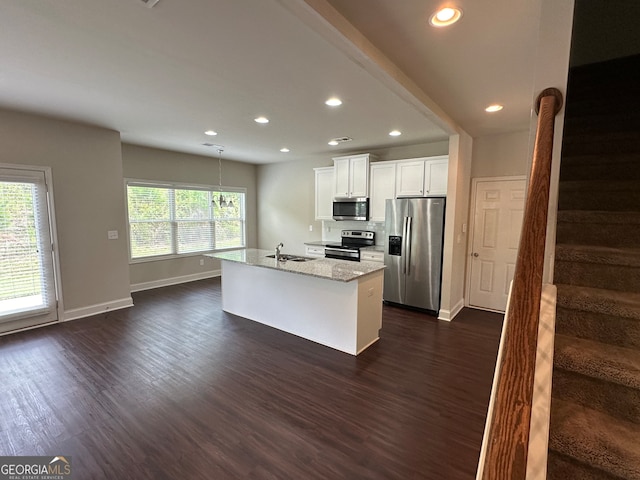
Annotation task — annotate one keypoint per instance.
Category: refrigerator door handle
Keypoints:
(403, 246)
(408, 247)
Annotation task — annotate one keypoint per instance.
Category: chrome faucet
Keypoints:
(278, 247)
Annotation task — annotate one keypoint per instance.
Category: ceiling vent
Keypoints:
(149, 3)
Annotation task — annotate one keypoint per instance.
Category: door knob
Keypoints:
(475, 254)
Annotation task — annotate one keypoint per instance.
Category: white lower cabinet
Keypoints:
(371, 256)
(314, 251)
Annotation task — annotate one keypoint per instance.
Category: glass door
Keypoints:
(27, 279)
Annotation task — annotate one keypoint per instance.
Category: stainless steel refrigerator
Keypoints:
(413, 252)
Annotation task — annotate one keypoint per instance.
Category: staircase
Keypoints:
(595, 409)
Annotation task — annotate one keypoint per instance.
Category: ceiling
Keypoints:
(162, 76)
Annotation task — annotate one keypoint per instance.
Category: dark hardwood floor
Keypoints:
(174, 388)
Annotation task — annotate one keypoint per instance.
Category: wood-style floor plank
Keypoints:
(175, 388)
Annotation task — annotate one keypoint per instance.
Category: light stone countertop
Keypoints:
(327, 268)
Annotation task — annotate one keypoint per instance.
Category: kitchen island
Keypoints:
(336, 303)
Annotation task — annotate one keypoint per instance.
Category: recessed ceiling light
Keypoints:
(334, 102)
(395, 133)
(285, 150)
(210, 133)
(333, 142)
(494, 108)
(445, 16)
(262, 120)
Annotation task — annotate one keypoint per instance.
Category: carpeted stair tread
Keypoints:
(599, 216)
(599, 300)
(595, 438)
(629, 257)
(600, 187)
(598, 360)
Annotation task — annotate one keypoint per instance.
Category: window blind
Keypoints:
(27, 285)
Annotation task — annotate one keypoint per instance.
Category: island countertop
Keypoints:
(327, 268)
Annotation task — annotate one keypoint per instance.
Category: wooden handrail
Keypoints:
(508, 434)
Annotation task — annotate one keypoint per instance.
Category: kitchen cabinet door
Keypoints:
(410, 178)
(383, 186)
(341, 172)
(359, 176)
(352, 176)
(437, 177)
(324, 193)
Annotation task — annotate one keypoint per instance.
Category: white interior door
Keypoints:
(27, 279)
(498, 212)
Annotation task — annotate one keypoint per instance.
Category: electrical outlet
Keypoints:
(201, 261)
(112, 234)
(311, 228)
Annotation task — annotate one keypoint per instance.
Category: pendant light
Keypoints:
(221, 201)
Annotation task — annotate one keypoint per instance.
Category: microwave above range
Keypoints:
(351, 208)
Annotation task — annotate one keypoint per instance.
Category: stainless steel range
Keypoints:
(349, 249)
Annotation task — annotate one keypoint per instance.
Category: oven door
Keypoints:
(351, 254)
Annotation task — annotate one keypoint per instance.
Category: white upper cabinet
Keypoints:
(436, 183)
(410, 178)
(352, 176)
(382, 186)
(422, 177)
(324, 193)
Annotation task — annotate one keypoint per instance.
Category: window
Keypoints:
(170, 220)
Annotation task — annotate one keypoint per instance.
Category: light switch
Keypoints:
(112, 234)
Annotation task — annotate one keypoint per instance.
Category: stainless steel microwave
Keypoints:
(351, 208)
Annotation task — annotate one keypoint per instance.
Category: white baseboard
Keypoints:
(76, 313)
(165, 282)
(448, 315)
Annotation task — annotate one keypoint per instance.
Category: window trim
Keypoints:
(136, 182)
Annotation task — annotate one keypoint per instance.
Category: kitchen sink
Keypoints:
(291, 258)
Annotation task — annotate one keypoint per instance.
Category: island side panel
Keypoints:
(324, 311)
(369, 309)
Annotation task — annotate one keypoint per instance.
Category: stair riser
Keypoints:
(562, 468)
(597, 275)
(585, 198)
(605, 235)
(615, 400)
(604, 328)
(581, 145)
(605, 171)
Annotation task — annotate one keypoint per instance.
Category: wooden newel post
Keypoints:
(508, 443)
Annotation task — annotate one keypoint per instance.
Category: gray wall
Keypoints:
(86, 168)
(163, 165)
(501, 155)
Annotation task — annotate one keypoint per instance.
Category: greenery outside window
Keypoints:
(167, 220)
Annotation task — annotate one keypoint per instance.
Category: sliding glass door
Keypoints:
(27, 279)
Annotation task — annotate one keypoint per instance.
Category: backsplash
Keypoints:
(331, 229)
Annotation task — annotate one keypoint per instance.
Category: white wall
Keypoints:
(454, 259)
(86, 166)
(163, 165)
(552, 69)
